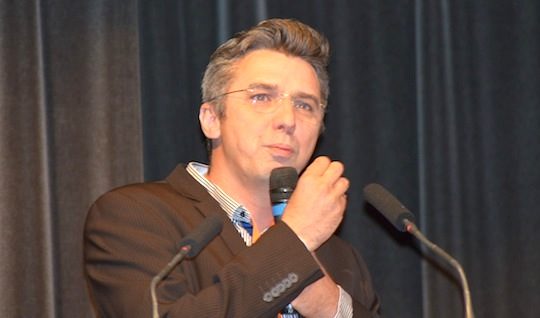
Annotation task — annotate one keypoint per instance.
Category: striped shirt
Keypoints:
(236, 212)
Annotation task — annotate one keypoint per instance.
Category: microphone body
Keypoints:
(190, 246)
(393, 210)
(282, 184)
(397, 214)
(202, 235)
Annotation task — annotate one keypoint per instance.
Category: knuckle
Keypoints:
(322, 160)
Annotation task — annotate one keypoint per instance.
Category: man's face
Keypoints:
(251, 143)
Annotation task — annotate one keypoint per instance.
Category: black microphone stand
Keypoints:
(184, 250)
(411, 228)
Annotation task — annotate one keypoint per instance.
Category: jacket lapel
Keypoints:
(188, 187)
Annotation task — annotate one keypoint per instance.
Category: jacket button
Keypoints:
(268, 297)
(293, 277)
(287, 282)
(275, 292)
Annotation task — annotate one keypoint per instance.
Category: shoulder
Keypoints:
(178, 188)
(134, 197)
(178, 199)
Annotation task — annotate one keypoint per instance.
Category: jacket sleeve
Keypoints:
(131, 234)
(348, 269)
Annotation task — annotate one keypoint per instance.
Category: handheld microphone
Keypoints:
(397, 214)
(282, 184)
(190, 246)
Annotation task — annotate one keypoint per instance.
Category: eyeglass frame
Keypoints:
(321, 109)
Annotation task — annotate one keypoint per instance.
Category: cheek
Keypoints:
(308, 142)
(247, 135)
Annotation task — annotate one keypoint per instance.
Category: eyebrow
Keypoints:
(263, 86)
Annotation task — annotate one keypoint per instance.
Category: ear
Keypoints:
(210, 122)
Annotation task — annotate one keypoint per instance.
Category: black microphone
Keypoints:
(198, 239)
(397, 214)
(190, 246)
(282, 184)
(388, 205)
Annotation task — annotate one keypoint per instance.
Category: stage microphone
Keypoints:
(190, 246)
(397, 214)
(282, 184)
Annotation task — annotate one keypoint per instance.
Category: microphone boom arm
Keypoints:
(412, 229)
(164, 272)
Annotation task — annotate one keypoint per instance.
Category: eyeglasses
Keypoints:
(268, 100)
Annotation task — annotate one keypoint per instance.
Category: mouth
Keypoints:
(281, 150)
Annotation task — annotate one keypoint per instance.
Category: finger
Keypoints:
(341, 186)
(343, 200)
(333, 172)
(339, 189)
(318, 166)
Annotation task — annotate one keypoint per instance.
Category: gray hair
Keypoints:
(288, 36)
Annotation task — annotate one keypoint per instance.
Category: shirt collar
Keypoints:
(236, 212)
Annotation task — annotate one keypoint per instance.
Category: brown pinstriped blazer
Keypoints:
(132, 232)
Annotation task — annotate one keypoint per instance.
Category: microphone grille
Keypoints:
(388, 205)
(201, 236)
(282, 183)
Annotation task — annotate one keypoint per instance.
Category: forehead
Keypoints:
(285, 72)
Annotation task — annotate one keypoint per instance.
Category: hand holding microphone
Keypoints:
(317, 205)
(319, 180)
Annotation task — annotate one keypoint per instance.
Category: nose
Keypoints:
(285, 116)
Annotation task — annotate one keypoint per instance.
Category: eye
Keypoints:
(260, 97)
(304, 105)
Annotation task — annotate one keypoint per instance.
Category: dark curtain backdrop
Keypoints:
(437, 100)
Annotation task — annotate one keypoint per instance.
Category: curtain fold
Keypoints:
(25, 215)
(482, 122)
(69, 131)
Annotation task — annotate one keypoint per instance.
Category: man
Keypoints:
(264, 94)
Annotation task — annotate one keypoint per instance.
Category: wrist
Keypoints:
(303, 236)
